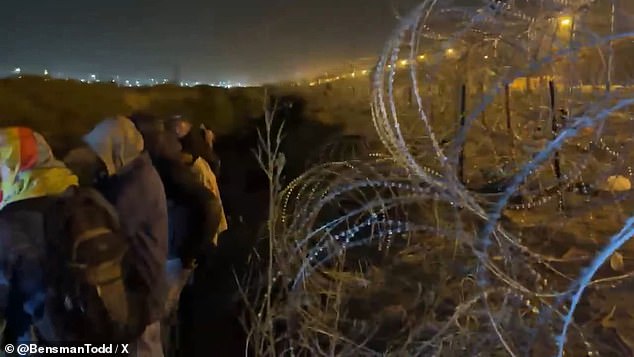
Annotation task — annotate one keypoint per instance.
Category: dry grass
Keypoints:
(396, 255)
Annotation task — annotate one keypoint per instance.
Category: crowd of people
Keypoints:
(98, 246)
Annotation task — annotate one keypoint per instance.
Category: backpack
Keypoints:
(87, 298)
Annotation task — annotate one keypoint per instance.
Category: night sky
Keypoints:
(211, 40)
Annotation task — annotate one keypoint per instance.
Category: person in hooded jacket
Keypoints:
(31, 179)
(194, 211)
(182, 187)
(205, 174)
(114, 161)
(197, 153)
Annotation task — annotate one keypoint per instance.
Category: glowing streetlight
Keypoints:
(421, 57)
(564, 28)
(404, 62)
(364, 72)
(18, 70)
(486, 57)
(565, 21)
(450, 52)
(46, 72)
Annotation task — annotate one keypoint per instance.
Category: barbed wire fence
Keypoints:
(484, 223)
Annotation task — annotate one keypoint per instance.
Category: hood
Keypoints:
(116, 141)
(28, 168)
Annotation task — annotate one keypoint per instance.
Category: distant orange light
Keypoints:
(421, 57)
(587, 131)
(404, 62)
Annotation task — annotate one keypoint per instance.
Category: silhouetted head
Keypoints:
(147, 123)
(179, 125)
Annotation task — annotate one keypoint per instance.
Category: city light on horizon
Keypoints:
(152, 80)
(116, 79)
(104, 49)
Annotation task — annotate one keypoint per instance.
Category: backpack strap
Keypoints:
(102, 202)
(86, 236)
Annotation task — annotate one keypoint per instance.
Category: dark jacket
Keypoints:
(197, 211)
(24, 236)
(137, 193)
